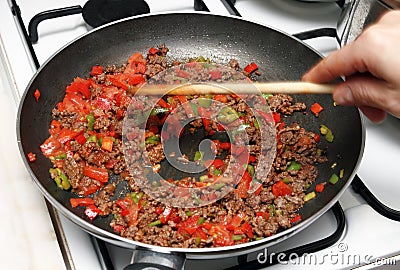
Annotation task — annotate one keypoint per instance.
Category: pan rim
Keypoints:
(198, 253)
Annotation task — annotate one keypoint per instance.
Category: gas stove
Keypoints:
(348, 236)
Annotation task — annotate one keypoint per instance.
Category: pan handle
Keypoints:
(49, 14)
(148, 259)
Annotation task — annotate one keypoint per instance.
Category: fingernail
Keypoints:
(343, 96)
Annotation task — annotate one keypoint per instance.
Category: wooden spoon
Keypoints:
(289, 87)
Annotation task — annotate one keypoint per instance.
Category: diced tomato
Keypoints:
(316, 108)
(87, 190)
(130, 210)
(135, 79)
(264, 215)
(218, 163)
(252, 159)
(31, 157)
(236, 221)
(118, 81)
(320, 187)
(243, 186)
(251, 67)
(247, 229)
(166, 215)
(96, 70)
(80, 202)
(199, 233)
(295, 219)
(189, 226)
(281, 189)
(36, 94)
(221, 98)
(136, 57)
(215, 74)
(66, 135)
(80, 139)
(107, 143)
(118, 228)
(79, 85)
(50, 147)
(96, 173)
(153, 50)
(102, 103)
(222, 237)
(225, 145)
(317, 137)
(92, 211)
(277, 117)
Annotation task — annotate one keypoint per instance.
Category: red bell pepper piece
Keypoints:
(295, 219)
(96, 70)
(31, 157)
(281, 189)
(36, 94)
(79, 85)
(92, 211)
(81, 202)
(320, 187)
(316, 108)
(251, 67)
(96, 173)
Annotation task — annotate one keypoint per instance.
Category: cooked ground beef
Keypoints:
(97, 143)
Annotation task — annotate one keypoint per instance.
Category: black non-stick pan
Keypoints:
(279, 56)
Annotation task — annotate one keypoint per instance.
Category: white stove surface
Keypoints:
(368, 236)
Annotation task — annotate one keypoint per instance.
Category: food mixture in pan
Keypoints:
(86, 148)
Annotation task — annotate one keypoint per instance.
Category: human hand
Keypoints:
(371, 65)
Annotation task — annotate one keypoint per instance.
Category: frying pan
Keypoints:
(220, 38)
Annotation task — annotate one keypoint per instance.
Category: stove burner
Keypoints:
(99, 12)
(94, 12)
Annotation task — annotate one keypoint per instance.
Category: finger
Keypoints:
(363, 91)
(344, 62)
(375, 115)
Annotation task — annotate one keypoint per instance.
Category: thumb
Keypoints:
(362, 91)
